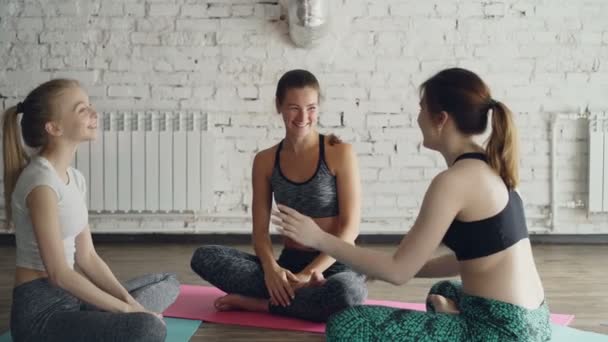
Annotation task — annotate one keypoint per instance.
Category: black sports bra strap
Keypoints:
(472, 155)
(278, 153)
(321, 147)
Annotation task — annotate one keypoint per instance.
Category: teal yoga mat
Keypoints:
(567, 334)
(178, 330)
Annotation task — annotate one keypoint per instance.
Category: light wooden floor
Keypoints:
(575, 279)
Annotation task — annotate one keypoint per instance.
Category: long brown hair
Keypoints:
(299, 78)
(467, 99)
(37, 110)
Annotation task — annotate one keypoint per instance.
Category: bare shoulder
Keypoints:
(447, 179)
(264, 160)
(338, 154)
(473, 173)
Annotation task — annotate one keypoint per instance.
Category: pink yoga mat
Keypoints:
(196, 302)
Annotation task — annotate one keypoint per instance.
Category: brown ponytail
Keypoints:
(14, 155)
(502, 147)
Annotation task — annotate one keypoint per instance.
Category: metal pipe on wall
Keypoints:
(308, 21)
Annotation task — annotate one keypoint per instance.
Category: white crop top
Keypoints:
(73, 213)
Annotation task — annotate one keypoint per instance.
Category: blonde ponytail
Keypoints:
(14, 156)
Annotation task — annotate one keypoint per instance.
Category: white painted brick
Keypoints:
(377, 9)
(368, 174)
(387, 175)
(28, 24)
(135, 9)
(373, 161)
(159, 24)
(379, 106)
(195, 11)
(406, 9)
(165, 92)
(378, 120)
(385, 94)
(197, 25)
(386, 201)
(330, 119)
(345, 92)
(84, 77)
(412, 174)
(244, 10)
(112, 24)
(269, 12)
(494, 9)
(29, 9)
(128, 91)
(246, 145)
(231, 38)
(218, 10)
(145, 38)
(111, 9)
(61, 23)
(412, 161)
(406, 201)
(238, 24)
(163, 10)
(27, 37)
(248, 92)
(53, 63)
(188, 38)
(384, 147)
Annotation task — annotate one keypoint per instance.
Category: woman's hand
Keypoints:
(297, 227)
(278, 283)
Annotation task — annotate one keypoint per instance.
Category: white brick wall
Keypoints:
(225, 56)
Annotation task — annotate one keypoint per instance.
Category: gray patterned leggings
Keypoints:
(43, 312)
(237, 272)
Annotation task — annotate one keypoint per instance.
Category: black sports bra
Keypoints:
(476, 239)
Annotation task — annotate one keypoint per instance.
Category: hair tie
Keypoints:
(492, 103)
(19, 107)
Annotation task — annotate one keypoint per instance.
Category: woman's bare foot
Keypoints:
(442, 304)
(237, 302)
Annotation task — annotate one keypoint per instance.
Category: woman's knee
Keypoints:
(347, 290)
(202, 255)
(171, 286)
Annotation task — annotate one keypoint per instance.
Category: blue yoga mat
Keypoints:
(178, 330)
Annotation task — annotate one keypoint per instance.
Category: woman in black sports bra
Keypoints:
(474, 209)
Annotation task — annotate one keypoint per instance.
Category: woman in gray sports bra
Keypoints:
(318, 175)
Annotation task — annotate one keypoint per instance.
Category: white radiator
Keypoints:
(598, 163)
(148, 162)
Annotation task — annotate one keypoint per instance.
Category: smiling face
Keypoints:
(299, 109)
(76, 119)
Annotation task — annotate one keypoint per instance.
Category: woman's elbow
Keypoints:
(398, 280)
(57, 275)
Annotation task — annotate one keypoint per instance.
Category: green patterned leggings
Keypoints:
(480, 319)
